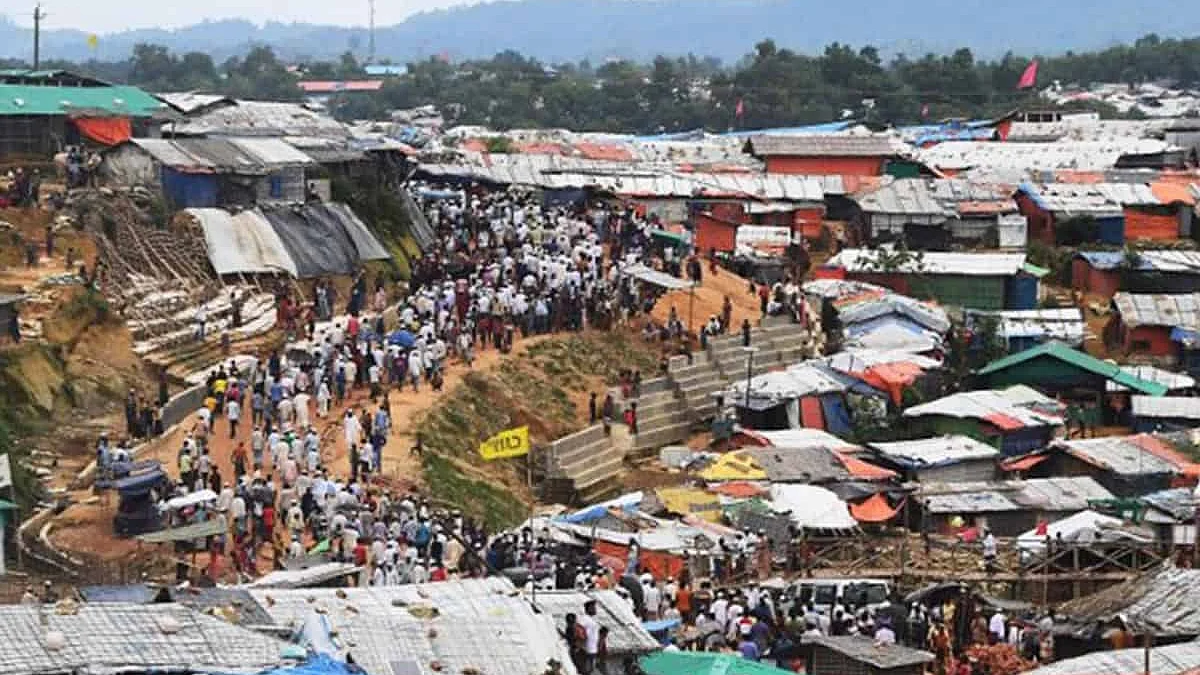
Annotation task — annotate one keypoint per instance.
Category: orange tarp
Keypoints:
(874, 510)
(865, 470)
(106, 130)
(1163, 451)
(1023, 463)
(892, 378)
(659, 563)
(738, 489)
(1170, 193)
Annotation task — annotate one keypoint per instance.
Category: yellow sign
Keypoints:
(507, 443)
(93, 41)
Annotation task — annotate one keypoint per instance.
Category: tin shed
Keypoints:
(859, 655)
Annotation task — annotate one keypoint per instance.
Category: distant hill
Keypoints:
(562, 30)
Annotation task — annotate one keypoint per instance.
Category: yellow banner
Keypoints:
(507, 443)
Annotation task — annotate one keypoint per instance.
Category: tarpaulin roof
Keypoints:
(243, 243)
(875, 509)
(1140, 454)
(1181, 407)
(1187, 262)
(643, 273)
(772, 389)
(1080, 527)
(961, 264)
(738, 489)
(318, 246)
(205, 528)
(811, 507)
(685, 501)
(931, 452)
(704, 663)
(987, 405)
(738, 465)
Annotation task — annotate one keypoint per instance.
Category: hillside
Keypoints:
(559, 30)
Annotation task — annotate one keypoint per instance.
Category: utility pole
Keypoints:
(37, 35)
(371, 31)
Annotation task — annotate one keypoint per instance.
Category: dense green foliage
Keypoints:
(777, 86)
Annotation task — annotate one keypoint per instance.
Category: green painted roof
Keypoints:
(21, 99)
(1062, 352)
(705, 663)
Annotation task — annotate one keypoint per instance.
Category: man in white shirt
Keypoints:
(591, 633)
(233, 410)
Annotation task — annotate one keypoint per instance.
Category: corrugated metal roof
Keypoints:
(799, 438)
(1167, 601)
(1022, 157)
(965, 264)
(114, 637)
(986, 405)
(866, 650)
(632, 180)
(1181, 407)
(1177, 310)
(189, 102)
(1172, 381)
(939, 451)
(482, 624)
(909, 197)
(818, 145)
(1057, 324)
(625, 632)
(1170, 660)
(1041, 494)
(272, 151)
(262, 118)
(959, 190)
(1121, 455)
(1098, 199)
(1156, 261)
(170, 153)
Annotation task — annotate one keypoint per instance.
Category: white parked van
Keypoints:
(822, 593)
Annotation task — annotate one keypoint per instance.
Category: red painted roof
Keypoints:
(1004, 422)
(333, 86)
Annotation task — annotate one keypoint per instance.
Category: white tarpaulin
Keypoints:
(1085, 527)
(811, 507)
(242, 244)
(191, 499)
(651, 276)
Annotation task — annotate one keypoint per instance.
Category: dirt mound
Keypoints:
(709, 299)
(545, 388)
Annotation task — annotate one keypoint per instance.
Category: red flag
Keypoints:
(740, 110)
(1029, 77)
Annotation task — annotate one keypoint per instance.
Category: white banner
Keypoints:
(5, 472)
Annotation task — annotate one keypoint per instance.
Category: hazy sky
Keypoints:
(116, 15)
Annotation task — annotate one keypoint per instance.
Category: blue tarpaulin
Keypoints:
(189, 190)
(837, 417)
(401, 338)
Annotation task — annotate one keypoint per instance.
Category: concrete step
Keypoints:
(580, 456)
(698, 367)
(650, 424)
(601, 490)
(579, 439)
(599, 471)
(667, 435)
(700, 381)
(658, 407)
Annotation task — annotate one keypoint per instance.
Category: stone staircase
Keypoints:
(583, 467)
(587, 466)
(670, 408)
